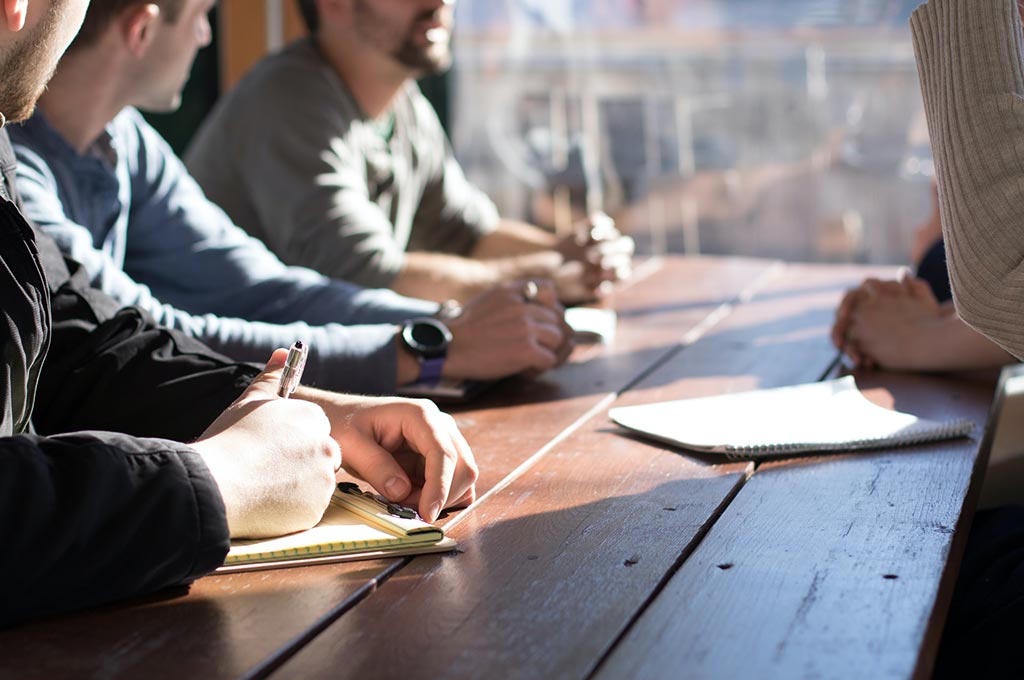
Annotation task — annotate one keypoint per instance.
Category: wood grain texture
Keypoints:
(834, 566)
(509, 424)
(558, 563)
(229, 625)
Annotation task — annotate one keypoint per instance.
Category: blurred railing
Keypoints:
(787, 129)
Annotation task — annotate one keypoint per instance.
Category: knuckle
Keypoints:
(472, 471)
(425, 408)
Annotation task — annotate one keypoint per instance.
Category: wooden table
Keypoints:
(593, 554)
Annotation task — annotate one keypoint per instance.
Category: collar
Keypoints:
(104, 148)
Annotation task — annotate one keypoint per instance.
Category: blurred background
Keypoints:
(777, 128)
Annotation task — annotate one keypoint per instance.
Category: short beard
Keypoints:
(27, 67)
(421, 61)
(435, 59)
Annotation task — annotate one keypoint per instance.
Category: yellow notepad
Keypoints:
(356, 526)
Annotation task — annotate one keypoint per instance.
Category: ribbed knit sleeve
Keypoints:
(972, 79)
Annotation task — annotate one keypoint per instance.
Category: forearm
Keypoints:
(440, 277)
(360, 359)
(952, 345)
(968, 53)
(92, 518)
(513, 238)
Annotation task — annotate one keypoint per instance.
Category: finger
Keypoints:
(605, 270)
(851, 349)
(565, 350)
(842, 320)
(542, 314)
(267, 382)
(547, 294)
(367, 459)
(465, 453)
(551, 335)
(920, 289)
(441, 456)
(335, 458)
(463, 488)
(540, 357)
(602, 226)
(891, 287)
(619, 247)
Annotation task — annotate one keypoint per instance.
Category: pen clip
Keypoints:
(393, 509)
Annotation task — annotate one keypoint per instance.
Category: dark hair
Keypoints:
(310, 14)
(102, 12)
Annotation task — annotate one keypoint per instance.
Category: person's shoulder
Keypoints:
(130, 124)
(132, 133)
(41, 152)
(297, 70)
(33, 133)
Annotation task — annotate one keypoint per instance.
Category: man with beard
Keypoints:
(99, 499)
(101, 181)
(329, 153)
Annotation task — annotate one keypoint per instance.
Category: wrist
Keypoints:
(407, 366)
(426, 340)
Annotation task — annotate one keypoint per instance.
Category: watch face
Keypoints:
(427, 337)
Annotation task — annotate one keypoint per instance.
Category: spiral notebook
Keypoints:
(817, 417)
(357, 525)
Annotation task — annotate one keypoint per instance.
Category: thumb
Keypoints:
(267, 382)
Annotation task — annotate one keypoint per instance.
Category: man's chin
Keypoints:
(20, 112)
(161, 105)
(425, 62)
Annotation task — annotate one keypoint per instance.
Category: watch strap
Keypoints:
(430, 370)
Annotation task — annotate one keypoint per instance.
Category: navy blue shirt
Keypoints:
(128, 210)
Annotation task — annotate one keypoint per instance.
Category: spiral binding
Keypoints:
(927, 432)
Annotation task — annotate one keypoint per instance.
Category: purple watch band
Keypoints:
(430, 370)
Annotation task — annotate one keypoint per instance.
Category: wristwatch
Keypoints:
(428, 339)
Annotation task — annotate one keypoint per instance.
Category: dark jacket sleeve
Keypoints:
(94, 517)
(91, 517)
(112, 368)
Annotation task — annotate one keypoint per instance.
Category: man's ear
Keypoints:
(15, 12)
(137, 25)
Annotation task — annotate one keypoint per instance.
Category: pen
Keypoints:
(293, 366)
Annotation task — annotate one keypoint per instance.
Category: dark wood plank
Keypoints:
(558, 563)
(825, 567)
(511, 423)
(227, 626)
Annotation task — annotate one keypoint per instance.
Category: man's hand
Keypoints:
(890, 324)
(502, 333)
(406, 449)
(595, 254)
(273, 459)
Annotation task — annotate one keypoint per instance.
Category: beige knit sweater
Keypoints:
(972, 77)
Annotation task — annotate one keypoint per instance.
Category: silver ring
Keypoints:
(530, 291)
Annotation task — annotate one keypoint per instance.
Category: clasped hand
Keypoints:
(595, 255)
(886, 323)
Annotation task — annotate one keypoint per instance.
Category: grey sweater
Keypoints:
(972, 79)
(292, 158)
